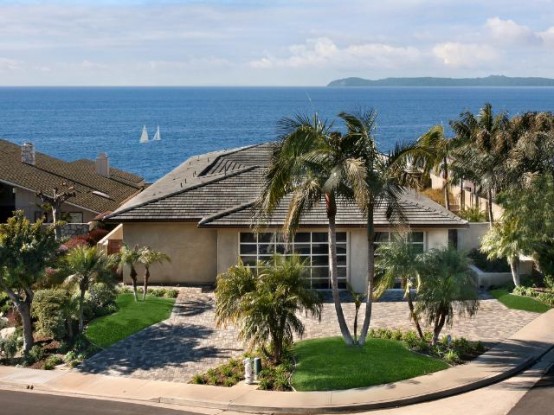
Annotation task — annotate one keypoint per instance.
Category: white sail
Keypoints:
(157, 136)
(144, 135)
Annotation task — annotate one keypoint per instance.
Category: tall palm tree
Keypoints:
(149, 257)
(383, 187)
(448, 288)
(399, 259)
(88, 265)
(485, 145)
(129, 257)
(312, 162)
(436, 151)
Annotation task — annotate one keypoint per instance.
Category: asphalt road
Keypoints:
(539, 400)
(29, 403)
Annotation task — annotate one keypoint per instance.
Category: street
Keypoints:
(29, 403)
(539, 400)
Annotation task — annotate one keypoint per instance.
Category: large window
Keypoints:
(311, 246)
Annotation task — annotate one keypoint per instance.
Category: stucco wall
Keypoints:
(470, 238)
(436, 238)
(193, 251)
(358, 259)
(227, 249)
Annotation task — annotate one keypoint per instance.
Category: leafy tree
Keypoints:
(130, 257)
(149, 257)
(26, 249)
(448, 287)
(384, 178)
(265, 303)
(309, 163)
(55, 201)
(88, 265)
(399, 259)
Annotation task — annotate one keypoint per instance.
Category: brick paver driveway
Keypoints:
(188, 341)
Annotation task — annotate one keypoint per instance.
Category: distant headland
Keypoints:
(492, 80)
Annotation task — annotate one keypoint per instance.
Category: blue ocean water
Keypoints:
(73, 123)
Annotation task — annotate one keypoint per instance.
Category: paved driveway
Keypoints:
(188, 341)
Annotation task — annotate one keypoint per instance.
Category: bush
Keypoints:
(34, 355)
(10, 346)
(51, 309)
(102, 299)
(52, 361)
(473, 214)
(480, 260)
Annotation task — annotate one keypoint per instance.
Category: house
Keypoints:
(98, 188)
(201, 214)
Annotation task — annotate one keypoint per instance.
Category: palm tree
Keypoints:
(507, 240)
(436, 151)
(311, 162)
(448, 287)
(399, 259)
(265, 305)
(88, 265)
(149, 257)
(484, 147)
(129, 257)
(383, 186)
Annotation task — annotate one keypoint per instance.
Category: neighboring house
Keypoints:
(99, 189)
(201, 214)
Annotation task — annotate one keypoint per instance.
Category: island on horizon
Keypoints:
(492, 80)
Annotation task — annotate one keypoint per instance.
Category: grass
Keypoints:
(131, 317)
(329, 364)
(519, 302)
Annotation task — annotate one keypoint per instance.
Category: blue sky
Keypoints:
(302, 42)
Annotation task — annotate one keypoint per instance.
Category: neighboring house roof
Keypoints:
(219, 189)
(94, 192)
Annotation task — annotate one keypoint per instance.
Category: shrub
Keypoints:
(480, 260)
(34, 355)
(51, 309)
(10, 346)
(52, 361)
(473, 214)
(102, 299)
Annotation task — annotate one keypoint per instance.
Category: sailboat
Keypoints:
(144, 135)
(157, 136)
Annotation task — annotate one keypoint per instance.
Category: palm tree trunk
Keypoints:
(514, 268)
(413, 314)
(145, 285)
(333, 270)
(81, 302)
(491, 218)
(446, 193)
(439, 324)
(370, 274)
(133, 275)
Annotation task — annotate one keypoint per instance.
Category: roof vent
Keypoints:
(103, 165)
(28, 153)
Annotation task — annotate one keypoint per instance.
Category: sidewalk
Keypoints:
(513, 355)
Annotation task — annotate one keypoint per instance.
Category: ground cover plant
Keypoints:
(131, 317)
(519, 302)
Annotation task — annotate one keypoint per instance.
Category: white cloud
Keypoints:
(324, 51)
(465, 55)
(508, 31)
(9, 64)
(548, 37)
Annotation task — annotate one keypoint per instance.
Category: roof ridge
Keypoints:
(226, 212)
(180, 191)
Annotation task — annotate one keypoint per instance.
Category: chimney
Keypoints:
(103, 165)
(28, 153)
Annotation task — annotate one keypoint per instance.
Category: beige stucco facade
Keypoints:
(198, 255)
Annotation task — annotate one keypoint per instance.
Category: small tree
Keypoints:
(88, 265)
(448, 287)
(26, 249)
(55, 201)
(264, 303)
(149, 257)
(399, 259)
(129, 257)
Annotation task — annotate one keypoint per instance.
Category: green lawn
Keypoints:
(328, 364)
(131, 317)
(519, 302)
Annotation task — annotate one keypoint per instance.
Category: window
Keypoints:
(310, 246)
(75, 217)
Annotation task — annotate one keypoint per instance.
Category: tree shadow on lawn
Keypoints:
(160, 346)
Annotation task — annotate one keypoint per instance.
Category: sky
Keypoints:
(269, 43)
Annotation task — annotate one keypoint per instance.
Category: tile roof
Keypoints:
(220, 188)
(49, 172)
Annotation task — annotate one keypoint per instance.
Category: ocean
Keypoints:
(73, 123)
